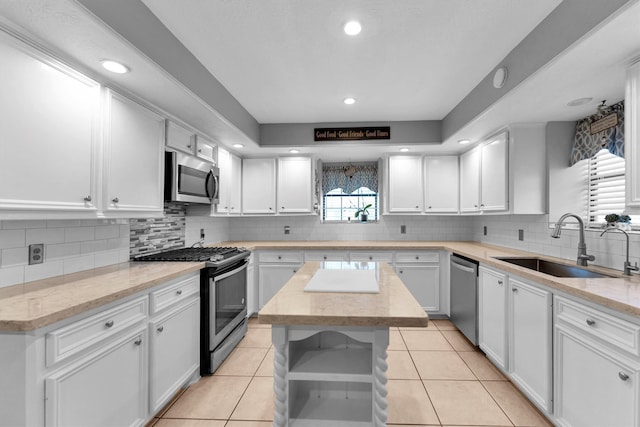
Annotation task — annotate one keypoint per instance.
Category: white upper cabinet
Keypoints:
(295, 192)
(632, 137)
(527, 168)
(133, 158)
(259, 186)
(206, 149)
(180, 138)
(470, 180)
(441, 184)
(230, 183)
(493, 175)
(405, 184)
(48, 137)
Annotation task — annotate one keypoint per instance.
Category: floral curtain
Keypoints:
(586, 145)
(349, 176)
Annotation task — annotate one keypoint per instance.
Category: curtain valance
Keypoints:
(349, 176)
(587, 145)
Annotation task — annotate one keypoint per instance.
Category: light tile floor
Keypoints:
(436, 378)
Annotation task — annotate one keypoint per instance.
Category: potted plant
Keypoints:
(363, 213)
(615, 220)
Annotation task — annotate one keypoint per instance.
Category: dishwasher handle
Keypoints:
(463, 267)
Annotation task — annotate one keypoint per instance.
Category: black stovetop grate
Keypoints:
(190, 254)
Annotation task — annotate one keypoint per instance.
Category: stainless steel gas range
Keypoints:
(223, 298)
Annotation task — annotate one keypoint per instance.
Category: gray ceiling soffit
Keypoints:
(142, 29)
(565, 25)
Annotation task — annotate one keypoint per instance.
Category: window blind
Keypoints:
(606, 186)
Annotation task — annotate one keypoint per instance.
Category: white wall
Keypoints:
(70, 246)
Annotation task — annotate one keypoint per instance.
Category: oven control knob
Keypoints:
(217, 257)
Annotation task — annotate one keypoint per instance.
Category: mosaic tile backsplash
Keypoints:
(151, 235)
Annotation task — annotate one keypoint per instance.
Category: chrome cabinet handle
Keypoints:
(591, 322)
(115, 200)
(623, 376)
(160, 329)
(500, 282)
(109, 324)
(138, 341)
(179, 292)
(87, 199)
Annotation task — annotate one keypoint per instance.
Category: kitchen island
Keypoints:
(331, 344)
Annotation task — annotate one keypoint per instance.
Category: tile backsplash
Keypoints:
(151, 235)
(69, 246)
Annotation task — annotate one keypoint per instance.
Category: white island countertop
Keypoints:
(393, 305)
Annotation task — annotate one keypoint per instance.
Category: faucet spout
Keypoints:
(583, 257)
(627, 265)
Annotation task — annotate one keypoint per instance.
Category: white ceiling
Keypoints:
(289, 61)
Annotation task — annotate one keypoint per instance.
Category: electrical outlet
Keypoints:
(36, 253)
(202, 234)
(287, 229)
(521, 234)
(403, 229)
(485, 230)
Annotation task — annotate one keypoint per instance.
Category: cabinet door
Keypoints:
(470, 181)
(441, 184)
(530, 339)
(494, 174)
(133, 161)
(180, 138)
(423, 281)
(405, 184)
(174, 352)
(294, 185)
(259, 186)
(224, 163)
(235, 187)
(107, 388)
(272, 278)
(593, 387)
(632, 137)
(492, 315)
(206, 149)
(48, 136)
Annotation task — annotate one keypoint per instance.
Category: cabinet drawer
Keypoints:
(408, 257)
(175, 293)
(280, 257)
(326, 256)
(372, 256)
(76, 337)
(615, 331)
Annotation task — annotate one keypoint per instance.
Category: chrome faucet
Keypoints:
(583, 257)
(627, 265)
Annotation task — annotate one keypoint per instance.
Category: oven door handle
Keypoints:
(230, 273)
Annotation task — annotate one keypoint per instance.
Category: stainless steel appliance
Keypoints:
(190, 179)
(223, 299)
(464, 296)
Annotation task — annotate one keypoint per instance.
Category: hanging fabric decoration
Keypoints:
(349, 177)
(588, 140)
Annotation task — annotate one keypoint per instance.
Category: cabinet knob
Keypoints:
(199, 150)
(160, 329)
(279, 257)
(401, 271)
(514, 289)
(475, 206)
(179, 292)
(591, 322)
(324, 257)
(189, 146)
(115, 200)
(370, 258)
(270, 208)
(429, 207)
(87, 199)
(282, 207)
(138, 341)
(482, 205)
(417, 257)
(226, 207)
(295, 271)
(500, 282)
(623, 376)
(417, 207)
(109, 324)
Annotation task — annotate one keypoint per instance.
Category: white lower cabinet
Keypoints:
(530, 341)
(106, 388)
(420, 273)
(492, 315)
(174, 351)
(274, 270)
(597, 381)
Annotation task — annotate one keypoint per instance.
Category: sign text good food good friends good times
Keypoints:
(351, 134)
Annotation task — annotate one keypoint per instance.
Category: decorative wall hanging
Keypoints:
(605, 129)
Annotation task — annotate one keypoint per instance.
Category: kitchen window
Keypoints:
(347, 187)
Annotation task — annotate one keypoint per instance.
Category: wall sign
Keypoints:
(604, 123)
(351, 134)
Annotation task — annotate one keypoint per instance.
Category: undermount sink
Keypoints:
(552, 268)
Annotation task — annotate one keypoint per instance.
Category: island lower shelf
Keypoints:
(334, 376)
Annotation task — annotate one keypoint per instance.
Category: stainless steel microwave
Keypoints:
(190, 179)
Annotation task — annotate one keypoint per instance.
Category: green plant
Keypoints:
(363, 211)
(612, 217)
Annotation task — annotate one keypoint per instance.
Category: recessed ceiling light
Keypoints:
(238, 146)
(294, 151)
(404, 150)
(115, 67)
(349, 101)
(464, 141)
(352, 28)
(579, 101)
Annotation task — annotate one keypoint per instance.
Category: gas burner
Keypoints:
(213, 256)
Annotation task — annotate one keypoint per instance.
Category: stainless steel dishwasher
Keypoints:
(464, 295)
